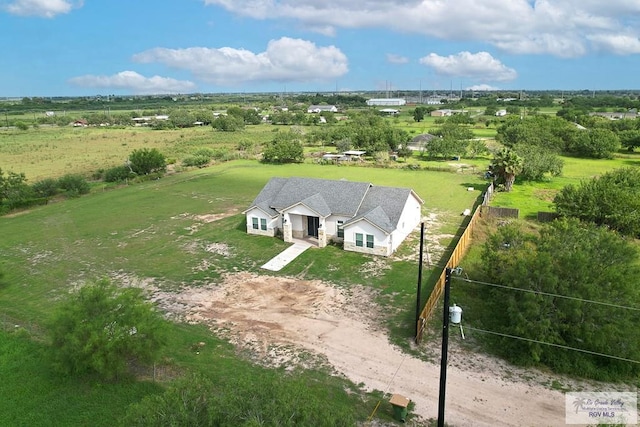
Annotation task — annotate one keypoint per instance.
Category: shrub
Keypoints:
(101, 328)
(74, 185)
(45, 188)
(205, 151)
(146, 161)
(117, 174)
(196, 160)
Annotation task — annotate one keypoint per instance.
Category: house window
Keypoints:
(340, 229)
(359, 241)
(263, 224)
(370, 240)
(255, 222)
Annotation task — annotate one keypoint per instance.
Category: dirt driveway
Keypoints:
(282, 321)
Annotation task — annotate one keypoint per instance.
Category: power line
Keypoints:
(566, 347)
(531, 291)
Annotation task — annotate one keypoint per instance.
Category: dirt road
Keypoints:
(278, 318)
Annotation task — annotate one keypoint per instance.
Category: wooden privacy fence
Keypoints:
(500, 212)
(456, 256)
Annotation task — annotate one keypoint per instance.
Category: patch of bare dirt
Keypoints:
(293, 322)
(200, 220)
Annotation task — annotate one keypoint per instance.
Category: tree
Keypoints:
(538, 162)
(181, 118)
(612, 200)
(229, 123)
(284, 148)
(145, 161)
(506, 166)
(596, 143)
(418, 113)
(630, 139)
(552, 133)
(491, 110)
(404, 151)
(577, 260)
(100, 329)
(477, 147)
(15, 192)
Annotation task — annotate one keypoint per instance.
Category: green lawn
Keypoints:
(147, 231)
(531, 197)
(31, 395)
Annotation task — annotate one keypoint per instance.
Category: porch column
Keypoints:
(287, 234)
(322, 235)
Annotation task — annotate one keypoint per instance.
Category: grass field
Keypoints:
(48, 152)
(147, 231)
(532, 197)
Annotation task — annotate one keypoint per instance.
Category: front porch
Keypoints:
(308, 228)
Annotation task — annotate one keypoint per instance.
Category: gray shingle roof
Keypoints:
(341, 197)
(382, 206)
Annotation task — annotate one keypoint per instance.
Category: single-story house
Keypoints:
(363, 217)
(419, 142)
(501, 113)
(441, 113)
(390, 111)
(322, 108)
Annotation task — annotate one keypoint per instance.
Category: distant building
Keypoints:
(322, 108)
(441, 113)
(501, 113)
(390, 111)
(386, 101)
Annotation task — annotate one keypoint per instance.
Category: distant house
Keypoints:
(441, 113)
(616, 115)
(365, 218)
(147, 120)
(386, 101)
(389, 111)
(418, 142)
(501, 113)
(322, 108)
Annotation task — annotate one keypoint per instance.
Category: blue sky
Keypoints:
(91, 47)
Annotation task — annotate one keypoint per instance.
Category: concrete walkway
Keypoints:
(285, 257)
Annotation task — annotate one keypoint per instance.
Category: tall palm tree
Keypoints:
(505, 166)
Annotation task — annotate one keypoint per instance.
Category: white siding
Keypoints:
(409, 220)
(272, 223)
(381, 240)
(332, 225)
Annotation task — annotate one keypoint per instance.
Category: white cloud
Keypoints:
(619, 44)
(478, 66)
(397, 59)
(481, 88)
(136, 83)
(42, 8)
(564, 28)
(285, 59)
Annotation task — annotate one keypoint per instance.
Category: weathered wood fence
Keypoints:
(500, 212)
(454, 259)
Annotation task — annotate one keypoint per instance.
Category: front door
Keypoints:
(313, 222)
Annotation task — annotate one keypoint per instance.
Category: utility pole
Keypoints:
(445, 347)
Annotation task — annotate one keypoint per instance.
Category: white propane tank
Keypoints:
(456, 314)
